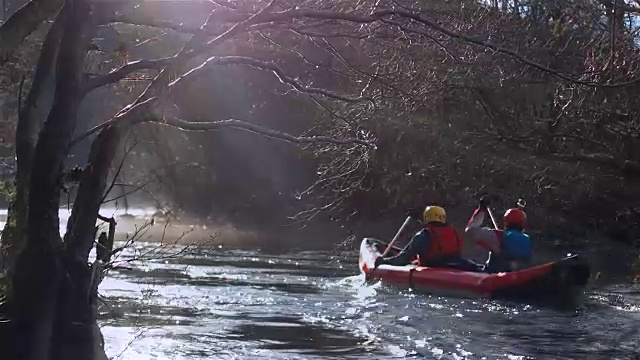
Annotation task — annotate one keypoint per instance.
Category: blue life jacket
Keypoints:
(516, 244)
(515, 253)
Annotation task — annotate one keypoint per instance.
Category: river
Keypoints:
(231, 304)
(221, 303)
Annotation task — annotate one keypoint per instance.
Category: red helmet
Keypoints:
(515, 217)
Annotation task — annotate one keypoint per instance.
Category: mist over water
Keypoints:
(139, 214)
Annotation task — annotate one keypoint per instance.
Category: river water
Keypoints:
(171, 302)
(168, 302)
(230, 304)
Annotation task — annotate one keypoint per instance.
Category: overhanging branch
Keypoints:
(261, 130)
(279, 73)
(127, 69)
(415, 16)
(151, 22)
(257, 21)
(124, 71)
(269, 19)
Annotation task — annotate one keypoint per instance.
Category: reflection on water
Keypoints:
(223, 304)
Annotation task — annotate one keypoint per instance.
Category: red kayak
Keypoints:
(562, 281)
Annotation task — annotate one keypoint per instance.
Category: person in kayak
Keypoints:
(509, 249)
(436, 245)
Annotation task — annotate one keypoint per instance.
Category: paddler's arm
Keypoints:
(418, 244)
(486, 238)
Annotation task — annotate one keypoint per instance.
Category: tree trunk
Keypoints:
(52, 146)
(23, 22)
(32, 115)
(35, 294)
(76, 337)
(40, 268)
(81, 226)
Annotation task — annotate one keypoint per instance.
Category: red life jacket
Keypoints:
(444, 241)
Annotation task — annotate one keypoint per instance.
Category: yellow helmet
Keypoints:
(434, 213)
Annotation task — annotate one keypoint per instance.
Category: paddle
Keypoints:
(493, 219)
(521, 205)
(395, 238)
(386, 251)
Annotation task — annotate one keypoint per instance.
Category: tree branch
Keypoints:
(124, 71)
(131, 115)
(151, 22)
(142, 113)
(258, 21)
(268, 19)
(228, 18)
(23, 22)
(187, 52)
(127, 69)
(415, 16)
(127, 151)
(194, 47)
(442, 46)
(261, 130)
(136, 188)
(242, 60)
(303, 32)
(609, 4)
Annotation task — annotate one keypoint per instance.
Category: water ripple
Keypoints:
(227, 304)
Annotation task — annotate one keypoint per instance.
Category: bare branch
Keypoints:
(267, 19)
(187, 52)
(151, 22)
(438, 42)
(261, 130)
(127, 151)
(242, 60)
(140, 112)
(308, 33)
(415, 16)
(257, 21)
(194, 48)
(225, 4)
(621, 6)
(135, 189)
(133, 115)
(125, 71)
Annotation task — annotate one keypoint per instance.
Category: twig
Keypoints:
(117, 174)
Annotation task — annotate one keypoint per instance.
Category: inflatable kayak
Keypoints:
(561, 282)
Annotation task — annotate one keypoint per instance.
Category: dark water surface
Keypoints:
(226, 304)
